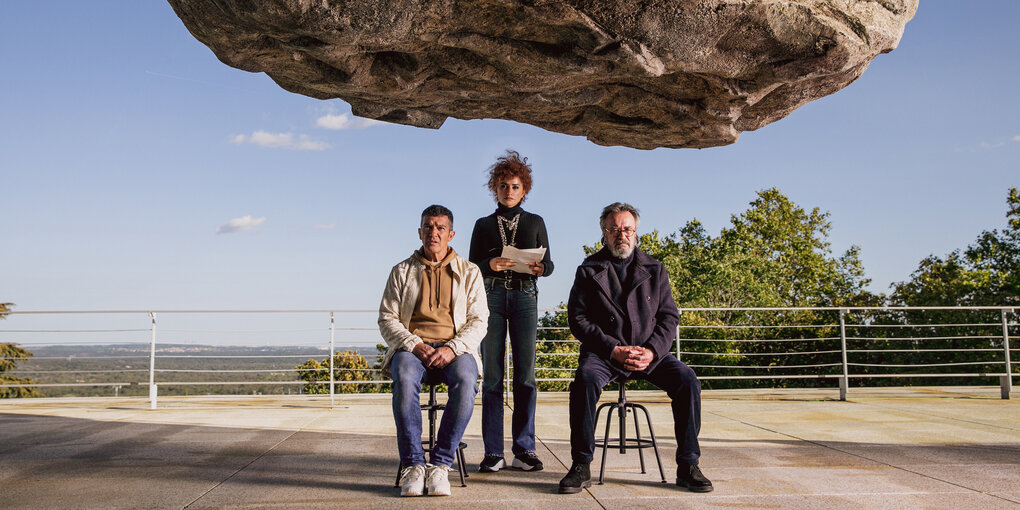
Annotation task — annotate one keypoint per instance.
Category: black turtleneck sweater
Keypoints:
(621, 278)
(486, 242)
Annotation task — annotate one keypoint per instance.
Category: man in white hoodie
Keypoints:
(433, 315)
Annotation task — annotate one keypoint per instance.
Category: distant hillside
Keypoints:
(207, 369)
(222, 350)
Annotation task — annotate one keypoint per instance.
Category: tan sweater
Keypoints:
(432, 319)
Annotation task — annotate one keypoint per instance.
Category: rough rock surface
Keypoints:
(640, 73)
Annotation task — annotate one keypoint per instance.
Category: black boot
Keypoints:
(690, 477)
(578, 478)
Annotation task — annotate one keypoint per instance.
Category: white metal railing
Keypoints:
(735, 345)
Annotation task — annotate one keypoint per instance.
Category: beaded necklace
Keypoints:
(510, 225)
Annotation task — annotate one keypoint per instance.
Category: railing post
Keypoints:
(1006, 382)
(677, 340)
(153, 391)
(332, 349)
(844, 382)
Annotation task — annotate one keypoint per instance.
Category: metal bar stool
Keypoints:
(433, 407)
(622, 407)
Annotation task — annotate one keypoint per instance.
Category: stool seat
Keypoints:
(433, 407)
(622, 442)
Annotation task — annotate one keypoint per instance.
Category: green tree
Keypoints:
(347, 366)
(557, 351)
(774, 254)
(985, 273)
(10, 355)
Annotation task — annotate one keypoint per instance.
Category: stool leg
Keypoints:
(605, 443)
(622, 402)
(598, 412)
(622, 414)
(433, 411)
(637, 434)
(655, 446)
(460, 464)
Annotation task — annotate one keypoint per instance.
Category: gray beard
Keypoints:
(621, 253)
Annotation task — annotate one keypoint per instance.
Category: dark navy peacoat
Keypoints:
(601, 325)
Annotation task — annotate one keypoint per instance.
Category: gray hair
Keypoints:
(616, 207)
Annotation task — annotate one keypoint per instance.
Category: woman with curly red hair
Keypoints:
(513, 308)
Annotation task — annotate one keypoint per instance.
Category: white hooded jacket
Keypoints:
(403, 289)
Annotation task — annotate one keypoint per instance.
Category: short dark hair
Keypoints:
(616, 207)
(437, 210)
(507, 167)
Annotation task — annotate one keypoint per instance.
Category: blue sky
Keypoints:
(125, 146)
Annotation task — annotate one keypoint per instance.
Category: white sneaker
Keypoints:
(438, 479)
(412, 480)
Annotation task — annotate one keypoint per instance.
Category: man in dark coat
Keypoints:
(622, 311)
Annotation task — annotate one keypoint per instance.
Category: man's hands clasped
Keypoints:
(633, 357)
(433, 357)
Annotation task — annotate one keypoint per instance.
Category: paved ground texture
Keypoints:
(883, 448)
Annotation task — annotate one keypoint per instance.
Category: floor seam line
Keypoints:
(860, 456)
(256, 459)
(949, 418)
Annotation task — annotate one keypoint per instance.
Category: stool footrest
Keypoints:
(629, 442)
(621, 409)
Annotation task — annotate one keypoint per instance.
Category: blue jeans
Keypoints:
(671, 375)
(516, 311)
(408, 372)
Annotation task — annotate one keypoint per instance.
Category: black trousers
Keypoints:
(670, 375)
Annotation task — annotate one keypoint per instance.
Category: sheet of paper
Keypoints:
(523, 257)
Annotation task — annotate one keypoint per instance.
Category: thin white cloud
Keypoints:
(331, 226)
(281, 141)
(240, 224)
(986, 145)
(343, 121)
(336, 122)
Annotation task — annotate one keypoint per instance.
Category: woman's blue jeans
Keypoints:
(514, 311)
(408, 372)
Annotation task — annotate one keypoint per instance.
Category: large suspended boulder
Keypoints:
(644, 74)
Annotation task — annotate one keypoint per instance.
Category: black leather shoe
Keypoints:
(690, 477)
(577, 479)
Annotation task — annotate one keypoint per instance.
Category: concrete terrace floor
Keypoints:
(883, 448)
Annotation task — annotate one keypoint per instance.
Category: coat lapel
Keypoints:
(601, 278)
(641, 275)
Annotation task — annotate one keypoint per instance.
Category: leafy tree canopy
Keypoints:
(10, 355)
(348, 365)
(775, 253)
(986, 273)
